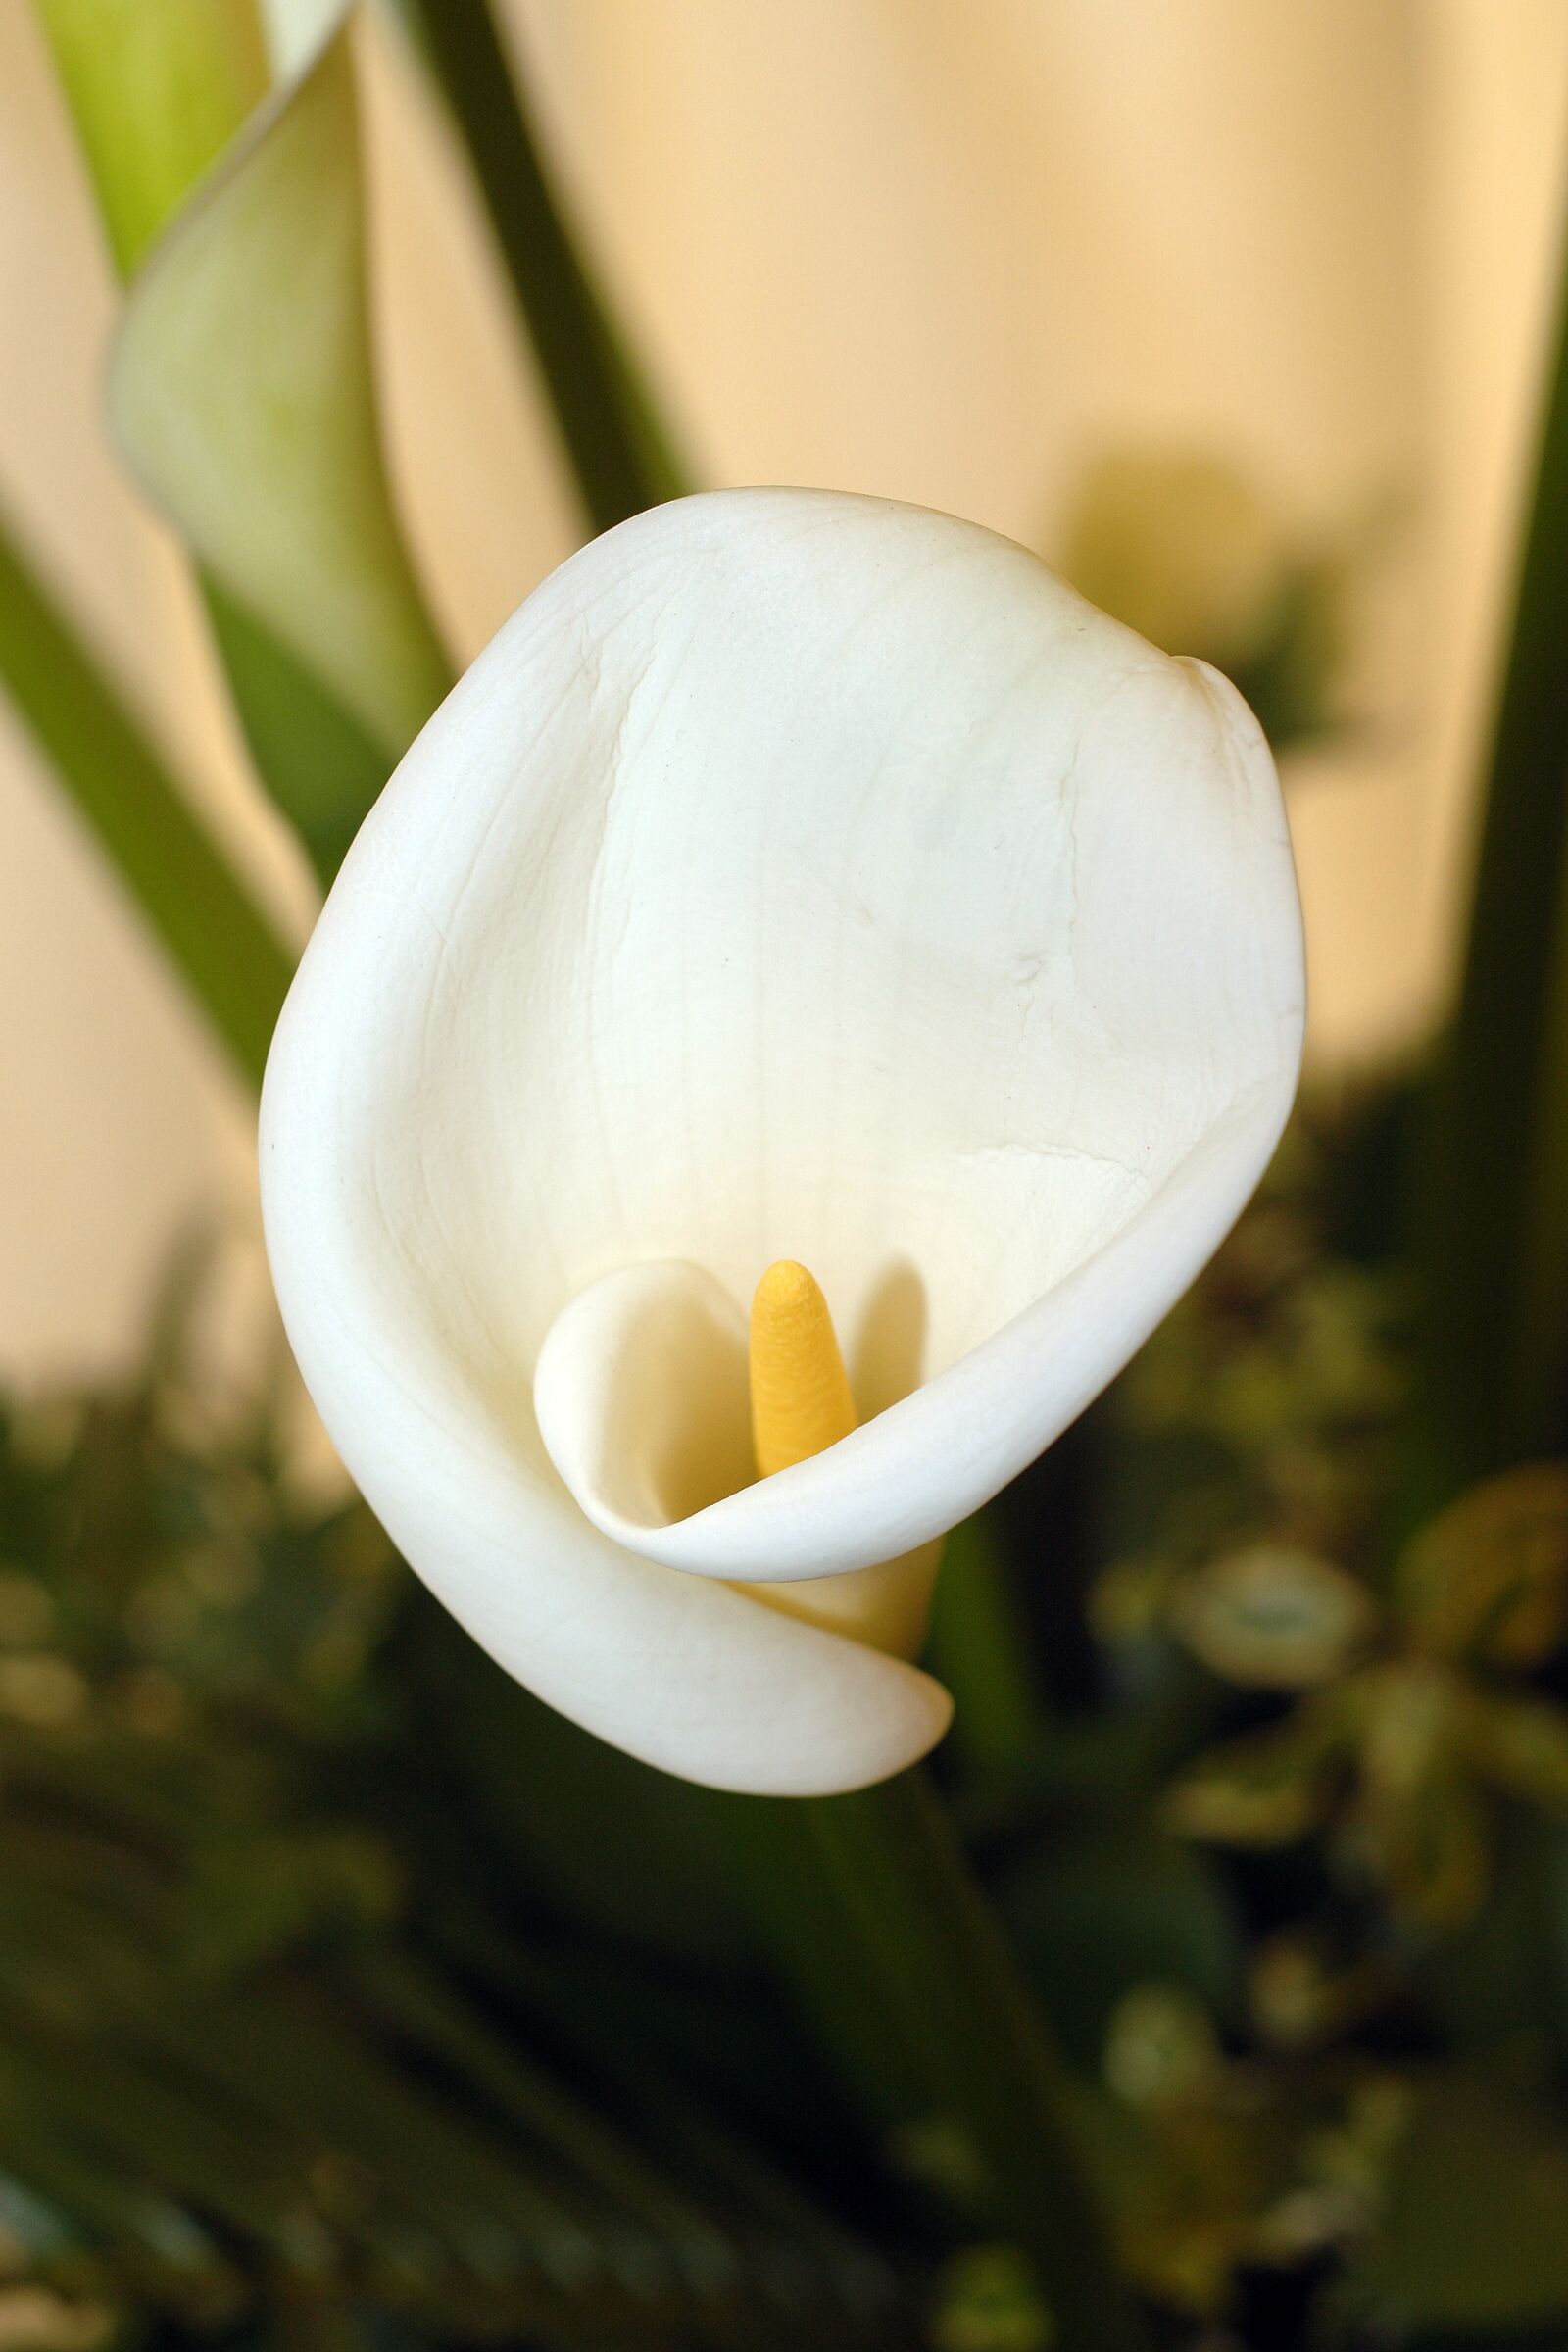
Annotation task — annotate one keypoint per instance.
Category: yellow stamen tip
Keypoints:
(800, 1401)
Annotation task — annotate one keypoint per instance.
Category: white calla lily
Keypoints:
(796, 875)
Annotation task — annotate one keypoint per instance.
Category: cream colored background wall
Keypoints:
(941, 249)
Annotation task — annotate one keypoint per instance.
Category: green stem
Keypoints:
(977, 1650)
(887, 1893)
(232, 960)
(1495, 1231)
(619, 452)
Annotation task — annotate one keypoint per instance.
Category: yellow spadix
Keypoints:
(800, 1401)
(801, 1405)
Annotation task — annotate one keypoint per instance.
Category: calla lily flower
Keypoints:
(796, 876)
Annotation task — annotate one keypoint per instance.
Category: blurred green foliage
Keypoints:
(347, 1995)
(297, 2036)
(1188, 550)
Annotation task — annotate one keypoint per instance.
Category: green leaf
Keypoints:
(1187, 549)
(1474, 2228)
(1096, 1914)
(156, 94)
(1504, 1978)
(224, 947)
(977, 1648)
(1266, 1788)
(259, 1892)
(617, 1844)
(989, 2302)
(320, 767)
(1161, 2048)
(1273, 1616)
(1428, 1844)
(1488, 1579)
(620, 453)
(241, 394)
(1521, 1745)
(1493, 1234)
(1420, 1825)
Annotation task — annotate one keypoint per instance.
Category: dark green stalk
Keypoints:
(617, 450)
(231, 959)
(1494, 1235)
(889, 1888)
(977, 1649)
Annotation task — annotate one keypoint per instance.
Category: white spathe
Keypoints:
(795, 875)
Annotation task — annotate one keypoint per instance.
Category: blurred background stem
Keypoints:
(621, 454)
(1493, 1216)
(233, 962)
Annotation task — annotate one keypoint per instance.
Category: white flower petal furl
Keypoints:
(796, 876)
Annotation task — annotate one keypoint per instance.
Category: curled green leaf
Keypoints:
(241, 394)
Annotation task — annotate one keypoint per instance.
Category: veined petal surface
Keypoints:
(796, 875)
